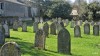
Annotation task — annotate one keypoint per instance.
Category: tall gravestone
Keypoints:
(35, 26)
(10, 49)
(7, 30)
(77, 31)
(96, 30)
(2, 35)
(87, 28)
(24, 27)
(40, 39)
(15, 25)
(64, 42)
(53, 28)
(46, 29)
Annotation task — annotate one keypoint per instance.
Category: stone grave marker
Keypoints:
(62, 24)
(46, 29)
(2, 35)
(58, 27)
(59, 20)
(72, 24)
(87, 28)
(7, 30)
(64, 42)
(24, 27)
(10, 49)
(40, 39)
(53, 28)
(67, 22)
(15, 25)
(35, 26)
(96, 30)
(92, 23)
(77, 31)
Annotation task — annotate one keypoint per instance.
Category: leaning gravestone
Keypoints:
(87, 28)
(35, 26)
(40, 39)
(2, 35)
(10, 49)
(96, 30)
(72, 24)
(64, 42)
(7, 30)
(77, 31)
(24, 27)
(53, 28)
(15, 25)
(46, 29)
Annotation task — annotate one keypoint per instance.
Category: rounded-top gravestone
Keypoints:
(77, 31)
(53, 28)
(40, 39)
(87, 28)
(72, 24)
(10, 49)
(35, 26)
(64, 42)
(46, 29)
(24, 27)
(96, 30)
(15, 25)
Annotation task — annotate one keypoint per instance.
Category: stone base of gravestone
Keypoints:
(53, 28)
(24, 27)
(86, 28)
(40, 39)
(77, 31)
(96, 30)
(10, 49)
(64, 42)
(46, 29)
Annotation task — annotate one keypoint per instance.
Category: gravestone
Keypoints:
(62, 24)
(81, 22)
(35, 26)
(15, 25)
(96, 30)
(77, 31)
(64, 42)
(10, 49)
(2, 35)
(86, 21)
(67, 22)
(87, 28)
(20, 23)
(58, 27)
(92, 23)
(40, 39)
(53, 28)
(46, 29)
(59, 20)
(24, 27)
(72, 24)
(7, 30)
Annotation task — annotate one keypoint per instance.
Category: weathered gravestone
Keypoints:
(72, 24)
(20, 23)
(92, 23)
(87, 28)
(67, 22)
(81, 22)
(96, 30)
(15, 25)
(2, 35)
(64, 42)
(24, 27)
(62, 24)
(40, 39)
(53, 28)
(7, 30)
(46, 29)
(59, 20)
(10, 49)
(86, 21)
(35, 26)
(77, 31)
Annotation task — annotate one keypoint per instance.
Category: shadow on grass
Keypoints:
(26, 48)
(16, 38)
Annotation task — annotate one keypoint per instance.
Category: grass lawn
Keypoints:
(85, 46)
